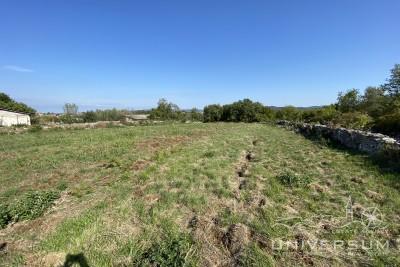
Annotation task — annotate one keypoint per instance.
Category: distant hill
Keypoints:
(301, 108)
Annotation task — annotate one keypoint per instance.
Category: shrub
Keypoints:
(354, 120)
(324, 115)
(388, 124)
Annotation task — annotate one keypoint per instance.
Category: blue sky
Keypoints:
(128, 54)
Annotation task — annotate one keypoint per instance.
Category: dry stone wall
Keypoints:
(371, 143)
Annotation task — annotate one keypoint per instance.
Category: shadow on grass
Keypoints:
(388, 165)
(75, 260)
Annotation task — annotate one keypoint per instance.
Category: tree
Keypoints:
(89, 116)
(289, 113)
(70, 109)
(165, 111)
(389, 123)
(5, 98)
(244, 111)
(374, 101)
(393, 85)
(349, 101)
(7, 102)
(212, 113)
(323, 115)
(195, 115)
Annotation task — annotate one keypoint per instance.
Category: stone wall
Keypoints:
(371, 143)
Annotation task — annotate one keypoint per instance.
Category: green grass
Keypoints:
(129, 197)
(29, 206)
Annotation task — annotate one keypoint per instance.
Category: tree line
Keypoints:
(377, 109)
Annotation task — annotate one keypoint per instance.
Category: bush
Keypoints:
(289, 113)
(388, 124)
(67, 118)
(323, 115)
(212, 113)
(354, 120)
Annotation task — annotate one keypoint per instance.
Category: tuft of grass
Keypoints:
(5, 217)
(293, 180)
(30, 206)
(171, 251)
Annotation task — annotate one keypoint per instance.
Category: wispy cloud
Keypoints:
(17, 68)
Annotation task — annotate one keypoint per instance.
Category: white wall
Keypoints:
(8, 118)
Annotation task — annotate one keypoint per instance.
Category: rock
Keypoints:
(370, 143)
(236, 238)
(374, 195)
(250, 156)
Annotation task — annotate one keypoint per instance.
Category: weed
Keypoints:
(209, 154)
(171, 251)
(5, 217)
(30, 206)
(62, 185)
(293, 180)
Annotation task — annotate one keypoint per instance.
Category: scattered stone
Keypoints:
(242, 184)
(358, 210)
(374, 195)
(317, 187)
(250, 156)
(329, 182)
(327, 227)
(357, 180)
(3, 246)
(193, 222)
(243, 172)
(54, 259)
(216, 221)
(236, 238)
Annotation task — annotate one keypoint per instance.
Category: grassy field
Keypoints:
(193, 195)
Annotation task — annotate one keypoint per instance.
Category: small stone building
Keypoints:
(10, 118)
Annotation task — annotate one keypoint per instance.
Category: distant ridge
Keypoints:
(302, 108)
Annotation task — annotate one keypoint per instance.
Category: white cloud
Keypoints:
(16, 68)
